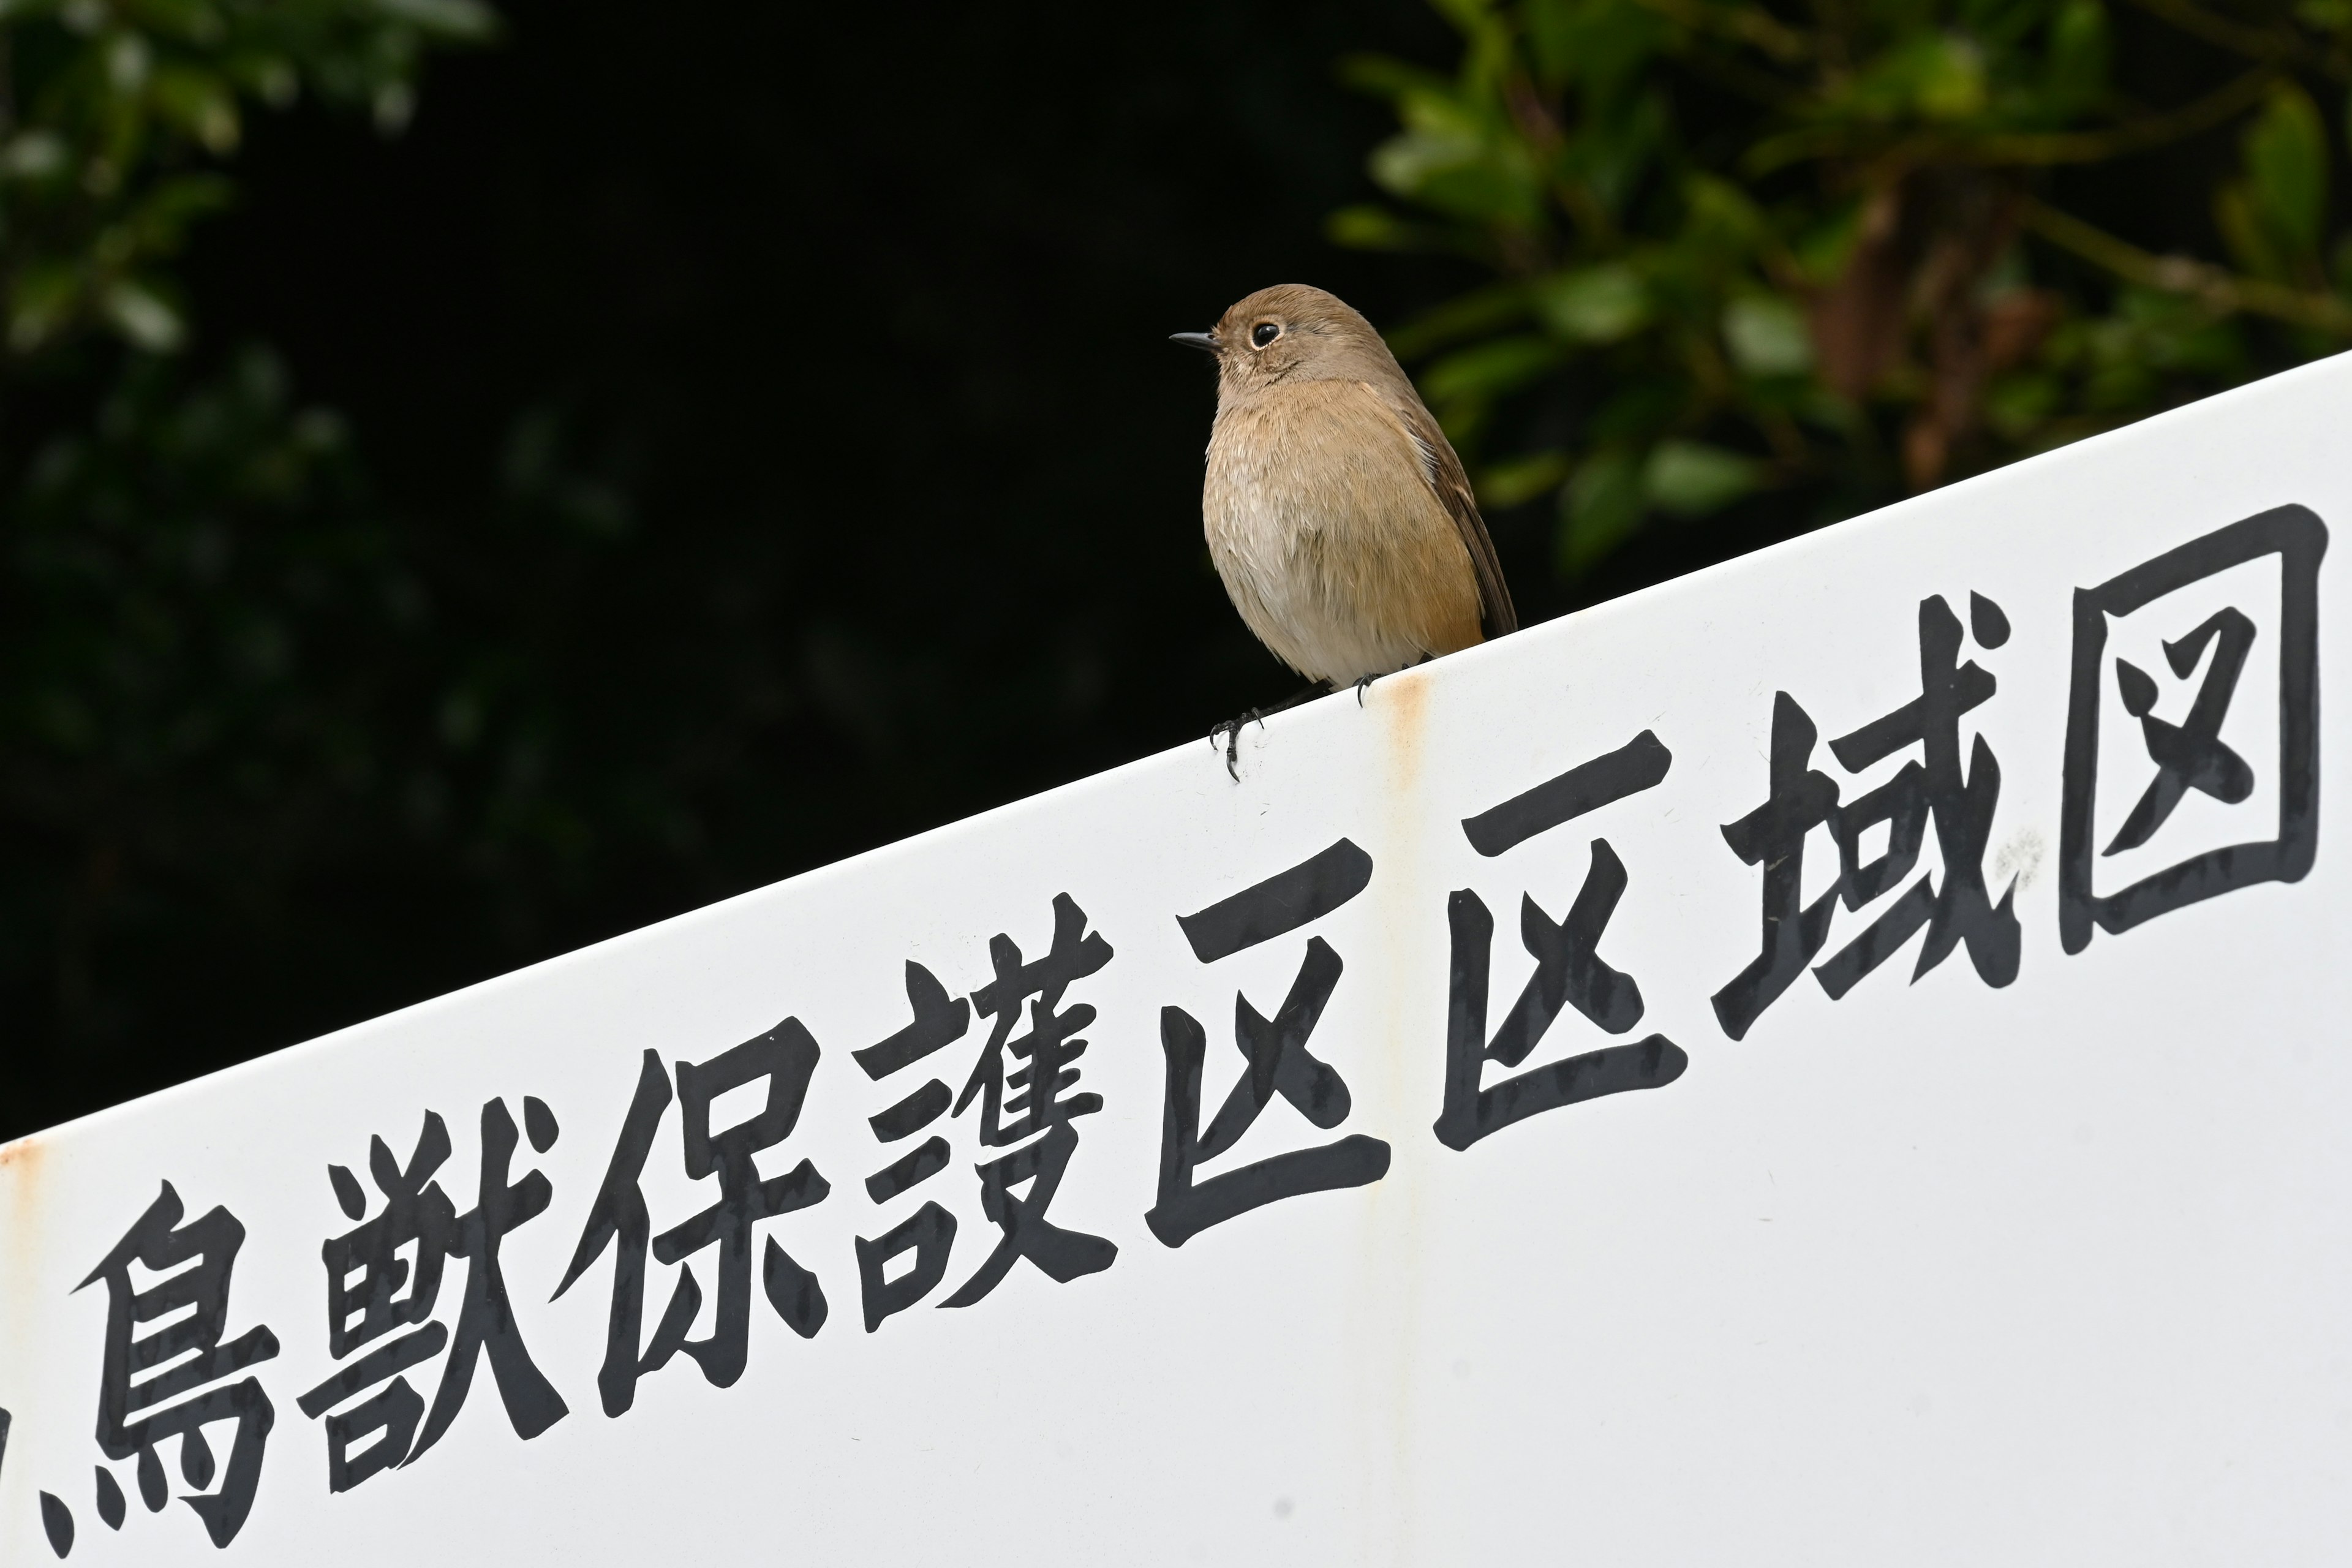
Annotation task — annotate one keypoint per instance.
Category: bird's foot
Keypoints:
(1361, 685)
(1230, 731)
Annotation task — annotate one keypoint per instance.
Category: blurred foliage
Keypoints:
(198, 594)
(114, 115)
(1814, 256)
(288, 738)
(210, 644)
(233, 678)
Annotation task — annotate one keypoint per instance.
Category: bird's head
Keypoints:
(1292, 332)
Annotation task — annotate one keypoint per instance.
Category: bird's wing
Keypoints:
(1442, 470)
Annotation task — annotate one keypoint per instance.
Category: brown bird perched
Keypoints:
(1335, 511)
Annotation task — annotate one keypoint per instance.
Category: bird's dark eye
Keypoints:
(1264, 332)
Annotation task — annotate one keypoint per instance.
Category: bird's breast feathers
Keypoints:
(1322, 520)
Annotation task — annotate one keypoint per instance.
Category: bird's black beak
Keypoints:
(1202, 341)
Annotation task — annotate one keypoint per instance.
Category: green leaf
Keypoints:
(455, 20)
(169, 205)
(1446, 161)
(1381, 76)
(2017, 405)
(1404, 166)
(127, 60)
(1595, 304)
(1640, 408)
(142, 316)
(46, 294)
(1515, 483)
(1691, 478)
(1466, 315)
(1950, 84)
(1935, 75)
(268, 76)
(1826, 243)
(2075, 77)
(1766, 336)
(1467, 15)
(2286, 165)
(1370, 228)
(1600, 511)
(1598, 43)
(1621, 149)
(195, 21)
(2250, 239)
(1718, 214)
(394, 103)
(199, 103)
(1489, 370)
(35, 155)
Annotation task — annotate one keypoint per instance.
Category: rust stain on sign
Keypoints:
(22, 1165)
(1406, 715)
(1393, 1247)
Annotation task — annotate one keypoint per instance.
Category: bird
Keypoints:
(1336, 512)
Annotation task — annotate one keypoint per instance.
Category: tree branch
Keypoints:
(1748, 24)
(2012, 149)
(2216, 288)
(2269, 44)
(2097, 146)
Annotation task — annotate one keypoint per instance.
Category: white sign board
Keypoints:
(1839, 1060)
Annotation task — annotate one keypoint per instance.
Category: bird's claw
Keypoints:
(1361, 685)
(1231, 730)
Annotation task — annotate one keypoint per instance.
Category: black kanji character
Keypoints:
(619, 1214)
(2188, 755)
(1961, 807)
(58, 1522)
(365, 1273)
(417, 1211)
(485, 1314)
(786, 1056)
(1568, 968)
(1275, 1050)
(193, 1307)
(1040, 1103)
(2191, 754)
(1799, 799)
(929, 1232)
(1933, 789)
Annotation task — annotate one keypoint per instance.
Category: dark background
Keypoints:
(765, 439)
